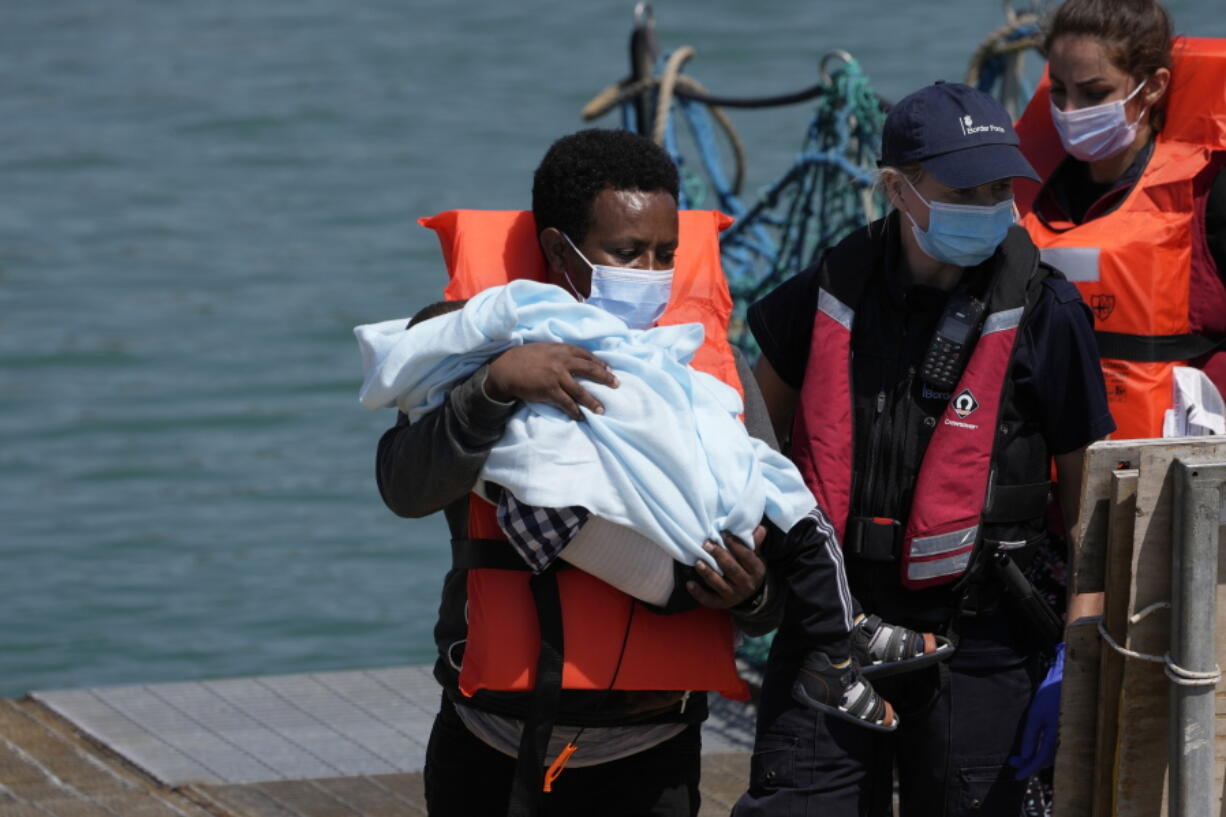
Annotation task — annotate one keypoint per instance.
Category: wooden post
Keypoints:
(1113, 732)
(1115, 620)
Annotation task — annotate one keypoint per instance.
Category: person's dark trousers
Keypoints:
(960, 721)
(464, 777)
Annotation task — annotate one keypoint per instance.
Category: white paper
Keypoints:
(1197, 407)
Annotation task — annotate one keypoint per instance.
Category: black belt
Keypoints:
(1155, 348)
(879, 538)
(873, 538)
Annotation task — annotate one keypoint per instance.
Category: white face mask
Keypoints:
(637, 296)
(1098, 132)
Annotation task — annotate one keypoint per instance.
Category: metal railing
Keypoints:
(1191, 664)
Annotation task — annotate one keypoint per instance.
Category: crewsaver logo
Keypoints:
(965, 404)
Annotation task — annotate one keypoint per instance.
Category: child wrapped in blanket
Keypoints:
(627, 493)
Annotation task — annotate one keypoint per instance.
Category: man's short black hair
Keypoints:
(577, 167)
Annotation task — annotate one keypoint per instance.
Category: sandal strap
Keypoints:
(891, 642)
(862, 701)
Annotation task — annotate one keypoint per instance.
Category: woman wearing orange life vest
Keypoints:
(1130, 138)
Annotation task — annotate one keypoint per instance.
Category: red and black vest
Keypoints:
(983, 465)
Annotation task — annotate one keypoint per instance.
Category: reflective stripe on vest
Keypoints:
(951, 489)
(1133, 265)
(683, 651)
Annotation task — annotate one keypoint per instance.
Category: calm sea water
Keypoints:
(199, 200)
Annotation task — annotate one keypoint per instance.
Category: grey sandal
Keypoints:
(842, 692)
(887, 649)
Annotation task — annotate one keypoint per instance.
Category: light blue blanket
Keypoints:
(668, 458)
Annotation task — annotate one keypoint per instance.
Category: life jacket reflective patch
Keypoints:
(692, 650)
(1133, 265)
(1079, 264)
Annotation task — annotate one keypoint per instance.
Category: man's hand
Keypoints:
(546, 373)
(743, 571)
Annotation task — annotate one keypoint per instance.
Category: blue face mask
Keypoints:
(962, 234)
(637, 296)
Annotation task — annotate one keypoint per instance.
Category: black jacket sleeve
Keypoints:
(424, 466)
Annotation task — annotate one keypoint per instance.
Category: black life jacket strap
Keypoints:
(467, 554)
(1155, 348)
(528, 786)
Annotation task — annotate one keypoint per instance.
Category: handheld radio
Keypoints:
(952, 341)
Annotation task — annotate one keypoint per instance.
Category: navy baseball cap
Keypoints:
(960, 135)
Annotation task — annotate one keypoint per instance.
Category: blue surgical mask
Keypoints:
(962, 234)
(637, 296)
(1098, 132)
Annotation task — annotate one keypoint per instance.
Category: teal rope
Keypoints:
(812, 206)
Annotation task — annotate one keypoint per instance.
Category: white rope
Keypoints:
(1140, 656)
(1188, 678)
(1178, 675)
(1136, 618)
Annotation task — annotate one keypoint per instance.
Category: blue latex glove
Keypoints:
(1038, 749)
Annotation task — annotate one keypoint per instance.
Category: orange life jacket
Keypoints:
(1133, 265)
(611, 640)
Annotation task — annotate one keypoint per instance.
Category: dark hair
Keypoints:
(577, 167)
(1136, 33)
(434, 310)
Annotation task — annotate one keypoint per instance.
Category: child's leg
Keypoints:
(809, 560)
(829, 680)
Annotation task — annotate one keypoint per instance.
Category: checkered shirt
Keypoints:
(538, 534)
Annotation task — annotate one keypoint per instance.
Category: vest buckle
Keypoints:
(874, 538)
